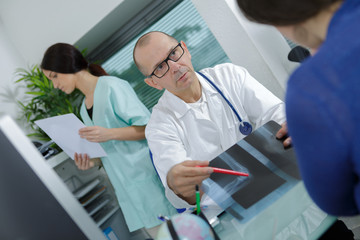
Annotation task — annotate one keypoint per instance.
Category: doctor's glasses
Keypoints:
(163, 67)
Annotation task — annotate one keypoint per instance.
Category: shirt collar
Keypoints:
(178, 106)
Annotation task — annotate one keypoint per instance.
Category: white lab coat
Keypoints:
(176, 132)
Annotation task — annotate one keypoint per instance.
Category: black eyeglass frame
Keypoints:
(166, 61)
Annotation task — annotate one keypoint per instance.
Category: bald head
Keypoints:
(144, 41)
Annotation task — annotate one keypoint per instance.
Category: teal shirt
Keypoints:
(139, 190)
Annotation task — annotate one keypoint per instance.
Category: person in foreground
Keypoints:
(192, 123)
(116, 118)
(323, 95)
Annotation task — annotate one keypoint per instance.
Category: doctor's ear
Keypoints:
(152, 83)
(184, 45)
(185, 48)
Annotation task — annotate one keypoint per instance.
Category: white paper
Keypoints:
(64, 131)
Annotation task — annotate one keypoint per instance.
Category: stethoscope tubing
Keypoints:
(245, 127)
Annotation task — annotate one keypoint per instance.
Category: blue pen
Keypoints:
(163, 218)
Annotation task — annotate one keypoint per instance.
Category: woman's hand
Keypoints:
(83, 162)
(95, 134)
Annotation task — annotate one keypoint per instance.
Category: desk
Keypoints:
(293, 216)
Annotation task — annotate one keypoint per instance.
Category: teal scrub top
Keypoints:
(138, 188)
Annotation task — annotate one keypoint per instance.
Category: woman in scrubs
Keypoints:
(116, 118)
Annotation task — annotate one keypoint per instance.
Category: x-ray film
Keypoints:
(272, 172)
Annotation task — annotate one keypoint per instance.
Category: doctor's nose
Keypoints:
(174, 66)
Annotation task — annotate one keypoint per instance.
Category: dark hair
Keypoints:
(282, 12)
(65, 58)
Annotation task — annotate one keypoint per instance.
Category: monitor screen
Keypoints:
(34, 201)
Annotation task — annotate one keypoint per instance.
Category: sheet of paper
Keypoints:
(64, 131)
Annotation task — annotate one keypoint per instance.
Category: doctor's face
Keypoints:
(63, 81)
(180, 74)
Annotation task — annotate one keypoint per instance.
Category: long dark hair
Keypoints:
(282, 12)
(65, 58)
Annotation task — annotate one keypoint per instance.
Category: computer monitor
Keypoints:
(34, 201)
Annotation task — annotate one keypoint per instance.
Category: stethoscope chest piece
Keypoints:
(245, 128)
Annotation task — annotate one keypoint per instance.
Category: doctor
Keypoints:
(116, 118)
(192, 122)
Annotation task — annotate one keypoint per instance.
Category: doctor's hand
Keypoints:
(282, 134)
(95, 134)
(183, 177)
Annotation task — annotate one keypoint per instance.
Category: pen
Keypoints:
(227, 171)
(198, 209)
(163, 218)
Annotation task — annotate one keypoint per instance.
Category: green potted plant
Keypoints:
(45, 101)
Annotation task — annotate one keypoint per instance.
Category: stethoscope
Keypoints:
(245, 127)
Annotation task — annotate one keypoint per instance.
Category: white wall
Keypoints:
(259, 48)
(35, 25)
(10, 60)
